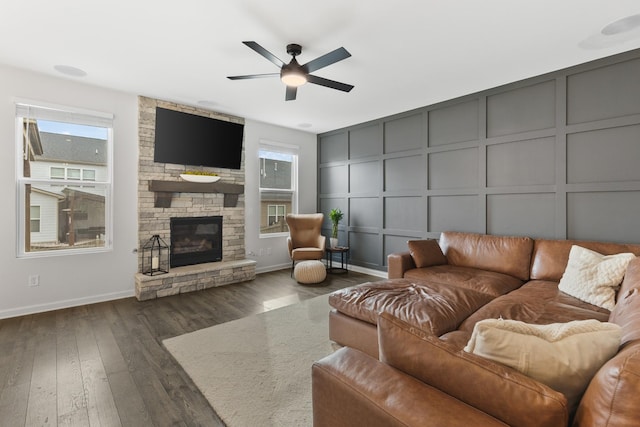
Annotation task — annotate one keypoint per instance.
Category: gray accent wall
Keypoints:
(555, 156)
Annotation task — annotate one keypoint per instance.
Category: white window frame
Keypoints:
(28, 109)
(277, 147)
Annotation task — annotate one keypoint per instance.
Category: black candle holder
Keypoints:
(155, 256)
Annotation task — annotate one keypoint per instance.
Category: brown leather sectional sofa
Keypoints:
(403, 363)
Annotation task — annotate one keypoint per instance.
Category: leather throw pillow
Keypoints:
(426, 253)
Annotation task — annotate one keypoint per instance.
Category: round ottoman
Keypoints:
(307, 272)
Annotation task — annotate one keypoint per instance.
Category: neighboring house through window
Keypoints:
(278, 187)
(60, 149)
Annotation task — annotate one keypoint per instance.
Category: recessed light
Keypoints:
(70, 71)
(622, 25)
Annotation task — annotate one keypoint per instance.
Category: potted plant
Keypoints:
(335, 215)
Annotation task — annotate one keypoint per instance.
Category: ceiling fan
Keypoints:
(293, 74)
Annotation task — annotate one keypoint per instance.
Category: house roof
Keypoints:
(72, 149)
(57, 195)
(406, 54)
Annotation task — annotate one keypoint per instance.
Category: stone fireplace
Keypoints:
(163, 196)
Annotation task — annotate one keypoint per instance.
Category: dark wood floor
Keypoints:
(104, 364)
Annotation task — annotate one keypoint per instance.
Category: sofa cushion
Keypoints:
(301, 254)
(565, 356)
(434, 307)
(502, 254)
(539, 302)
(488, 282)
(593, 277)
(426, 253)
(498, 390)
(549, 258)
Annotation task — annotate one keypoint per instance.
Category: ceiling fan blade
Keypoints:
(329, 83)
(253, 76)
(327, 59)
(291, 93)
(264, 52)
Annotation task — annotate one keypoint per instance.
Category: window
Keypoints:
(59, 151)
(72, 173)
(34, 218)
(88, 175)
(57, 173)
(278, 187)
(276, 213)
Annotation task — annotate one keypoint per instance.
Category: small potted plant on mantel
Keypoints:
(336, 216)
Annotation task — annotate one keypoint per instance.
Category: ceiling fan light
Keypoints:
(293, 79)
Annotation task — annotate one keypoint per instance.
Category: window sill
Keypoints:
(270, 235)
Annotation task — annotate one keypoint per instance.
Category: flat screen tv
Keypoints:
(188, 139)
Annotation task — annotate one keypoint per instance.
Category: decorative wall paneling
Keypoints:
(555, 156)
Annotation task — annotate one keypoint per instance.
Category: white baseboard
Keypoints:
(355, 268)
(269, 268)
(369, 271)
(57, 305)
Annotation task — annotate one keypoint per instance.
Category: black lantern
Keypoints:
(155, 256)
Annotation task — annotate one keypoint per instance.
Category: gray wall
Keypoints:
(556, 156)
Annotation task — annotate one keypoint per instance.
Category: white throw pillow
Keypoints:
(593, 277)
(564, 356)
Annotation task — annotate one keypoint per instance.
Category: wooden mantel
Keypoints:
(164, 191)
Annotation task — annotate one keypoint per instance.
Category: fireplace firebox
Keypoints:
(195, 240)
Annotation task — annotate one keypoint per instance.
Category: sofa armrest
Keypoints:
(353, 389)
(398, 263)
(611, 397)
(626, 313)
(498, 390)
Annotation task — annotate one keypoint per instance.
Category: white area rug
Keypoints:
(256, 371)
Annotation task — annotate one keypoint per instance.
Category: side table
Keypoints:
(344, 259)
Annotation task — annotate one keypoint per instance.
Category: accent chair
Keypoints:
(305, 240)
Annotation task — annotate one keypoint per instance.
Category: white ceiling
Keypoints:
(405, 53)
